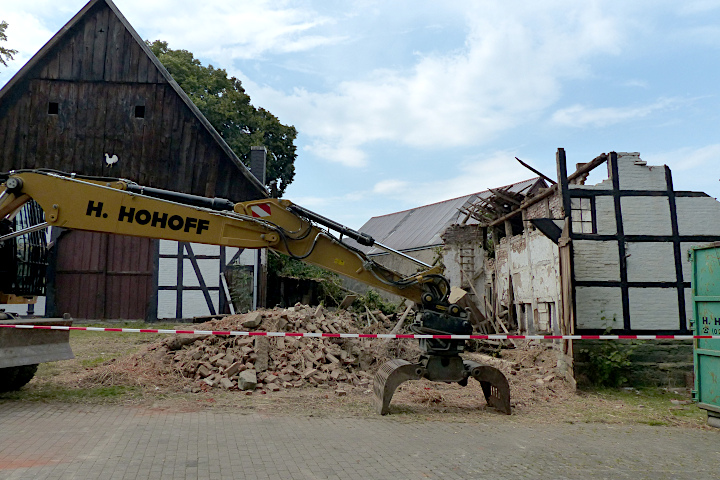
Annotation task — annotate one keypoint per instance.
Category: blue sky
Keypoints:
(403, 103)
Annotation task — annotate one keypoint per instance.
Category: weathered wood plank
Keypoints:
(143, 65)
(66, 59)
(97, 106)
(78, 54)
(36, 128)
(82, 90)
(164, 158)
(176, 140)
(154, 161)
(185, 155)
(10, 133)
(69, 125)
(114, 55)
(153, 74)
(126, 53)
(100, 40)
(134, 53)
(199, 177)
(88, 48)
(50, 131)
(126, 117)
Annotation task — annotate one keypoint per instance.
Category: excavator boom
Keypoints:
(122, 207)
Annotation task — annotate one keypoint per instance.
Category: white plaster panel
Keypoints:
(635, 176)
(651, 262)
(167, 272)
(698, 215)
(605, 216)
(599, 307)
(210, 270)
(194, 304)
(205, 249)
(646, 215)
(168, 247)
(596, 260)
(166, 304)
(654, 309)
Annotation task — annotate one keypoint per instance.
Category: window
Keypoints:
(582, 215)
(53, 108)
(139, 111)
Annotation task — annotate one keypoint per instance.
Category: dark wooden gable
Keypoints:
(94, 89)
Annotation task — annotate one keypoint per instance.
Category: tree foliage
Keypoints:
(227, 107)
(5, 53)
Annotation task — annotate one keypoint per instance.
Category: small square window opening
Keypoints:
(53, 108)
(139, 111)
(582, 213)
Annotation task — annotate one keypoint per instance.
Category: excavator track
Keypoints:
(391, 374)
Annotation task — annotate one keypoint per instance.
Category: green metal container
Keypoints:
(706, 317)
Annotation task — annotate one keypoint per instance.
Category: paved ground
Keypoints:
(51, 441)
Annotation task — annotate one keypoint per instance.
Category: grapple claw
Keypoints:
(441, 369)
(493, 383)
(389, 376)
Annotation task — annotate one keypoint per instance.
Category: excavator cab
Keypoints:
(23, 258)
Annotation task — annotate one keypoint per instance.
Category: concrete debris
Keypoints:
(276, 363)
(247, 380)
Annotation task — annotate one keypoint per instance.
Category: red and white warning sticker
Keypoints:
(260, 210)
(371, 335)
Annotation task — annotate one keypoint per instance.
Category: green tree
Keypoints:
(227, 107)
(5, 53)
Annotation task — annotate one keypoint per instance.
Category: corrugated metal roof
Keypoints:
(421, 227)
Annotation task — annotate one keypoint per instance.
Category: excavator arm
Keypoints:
(122, 207)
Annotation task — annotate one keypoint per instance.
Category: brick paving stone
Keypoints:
(48, 441)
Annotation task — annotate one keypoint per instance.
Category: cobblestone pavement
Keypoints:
(61, 441)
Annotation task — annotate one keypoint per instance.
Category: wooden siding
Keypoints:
(111, 279)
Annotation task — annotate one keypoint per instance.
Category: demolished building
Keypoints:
(571, 258)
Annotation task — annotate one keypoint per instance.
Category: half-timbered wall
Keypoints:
(190, 278)
(631, 269)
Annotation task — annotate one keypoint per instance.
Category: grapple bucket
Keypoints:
(391, 374)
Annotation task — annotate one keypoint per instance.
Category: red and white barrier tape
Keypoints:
(370, 335)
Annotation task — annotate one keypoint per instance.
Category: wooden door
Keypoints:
(102, 276)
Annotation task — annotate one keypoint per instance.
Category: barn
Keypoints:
(96, 101)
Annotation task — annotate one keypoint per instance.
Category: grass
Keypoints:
(54, 393)
(648, 406)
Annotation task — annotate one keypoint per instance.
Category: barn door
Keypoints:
(102, 276)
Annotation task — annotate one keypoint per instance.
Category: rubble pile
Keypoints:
(275, 363)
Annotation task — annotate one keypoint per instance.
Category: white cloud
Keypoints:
(27, 34)
(507, 73)
(390, 186)
(582, 116)
(230, 30)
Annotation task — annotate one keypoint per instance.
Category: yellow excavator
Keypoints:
(120, 206)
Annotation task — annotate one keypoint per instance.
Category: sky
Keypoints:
(404, 103)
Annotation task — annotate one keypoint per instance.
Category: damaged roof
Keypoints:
(421, 227)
